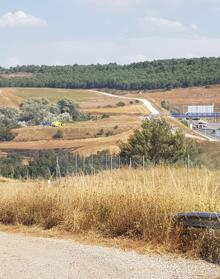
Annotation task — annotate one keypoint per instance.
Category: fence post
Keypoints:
(119, 162)
(111, 162)
(76, 163)
(143, 163)
(84, 164)
(130, 165)
(58, 173)
(92, 165)
(106, 161)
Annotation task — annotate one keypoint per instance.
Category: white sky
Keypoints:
(102, 31)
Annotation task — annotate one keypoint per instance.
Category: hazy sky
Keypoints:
(102, 31)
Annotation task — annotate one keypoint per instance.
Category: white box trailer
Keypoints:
(201, 109)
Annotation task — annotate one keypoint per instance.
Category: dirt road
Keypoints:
(23, 257)
(145, 102)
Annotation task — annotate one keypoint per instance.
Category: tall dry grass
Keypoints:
(136, 204)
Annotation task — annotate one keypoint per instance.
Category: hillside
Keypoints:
(88, 137)
(161, 74)
(84, 136)
(180, 97)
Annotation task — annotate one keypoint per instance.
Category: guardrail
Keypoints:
(197, 115)
(200, 220)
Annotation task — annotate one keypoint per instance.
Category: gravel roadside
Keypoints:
(24, 257)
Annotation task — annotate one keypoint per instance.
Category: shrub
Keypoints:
(9, 117)
(64, 117)
(11, 166)
(120, 104)
(105, 115)
(165, 104)
(100, 132)
(109, 133)
(36, 110)
(85, 117)
(58, 135)
(6, 134)
(116, 127)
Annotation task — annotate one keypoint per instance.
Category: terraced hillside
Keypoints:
(111, 121)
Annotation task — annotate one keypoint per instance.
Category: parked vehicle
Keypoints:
(202, 124)
(57, 124)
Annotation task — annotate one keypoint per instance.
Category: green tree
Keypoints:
(68, 106)
(157, 143)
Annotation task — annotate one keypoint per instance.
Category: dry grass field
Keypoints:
(85, 98)
(133, 204)
(187, 96)
(81, 130)
(126, 110)
(83, 146)
(87, 136)
(8, 99)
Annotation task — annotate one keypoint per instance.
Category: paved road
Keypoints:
(23, 257)
(146, 103)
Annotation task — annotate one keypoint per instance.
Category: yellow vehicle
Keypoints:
(57, 124)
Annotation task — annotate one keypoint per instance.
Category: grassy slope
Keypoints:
(188, 96)
(135, 204)
(8, 99)
(121, 121)
(80, 130)
(84, 98)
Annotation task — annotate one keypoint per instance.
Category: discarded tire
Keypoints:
(201, 230)
(202, 220)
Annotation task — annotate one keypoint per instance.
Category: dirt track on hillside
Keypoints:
(23, 257)
(8, 99)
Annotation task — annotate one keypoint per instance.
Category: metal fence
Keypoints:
(96, 163)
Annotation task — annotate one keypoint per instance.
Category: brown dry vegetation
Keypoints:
(211, 152)
(8, 99)
(127, 110)
(80, 130)
(83, 146)
(85, 98)
(133, 204)
(83, 137)
(187, 96)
